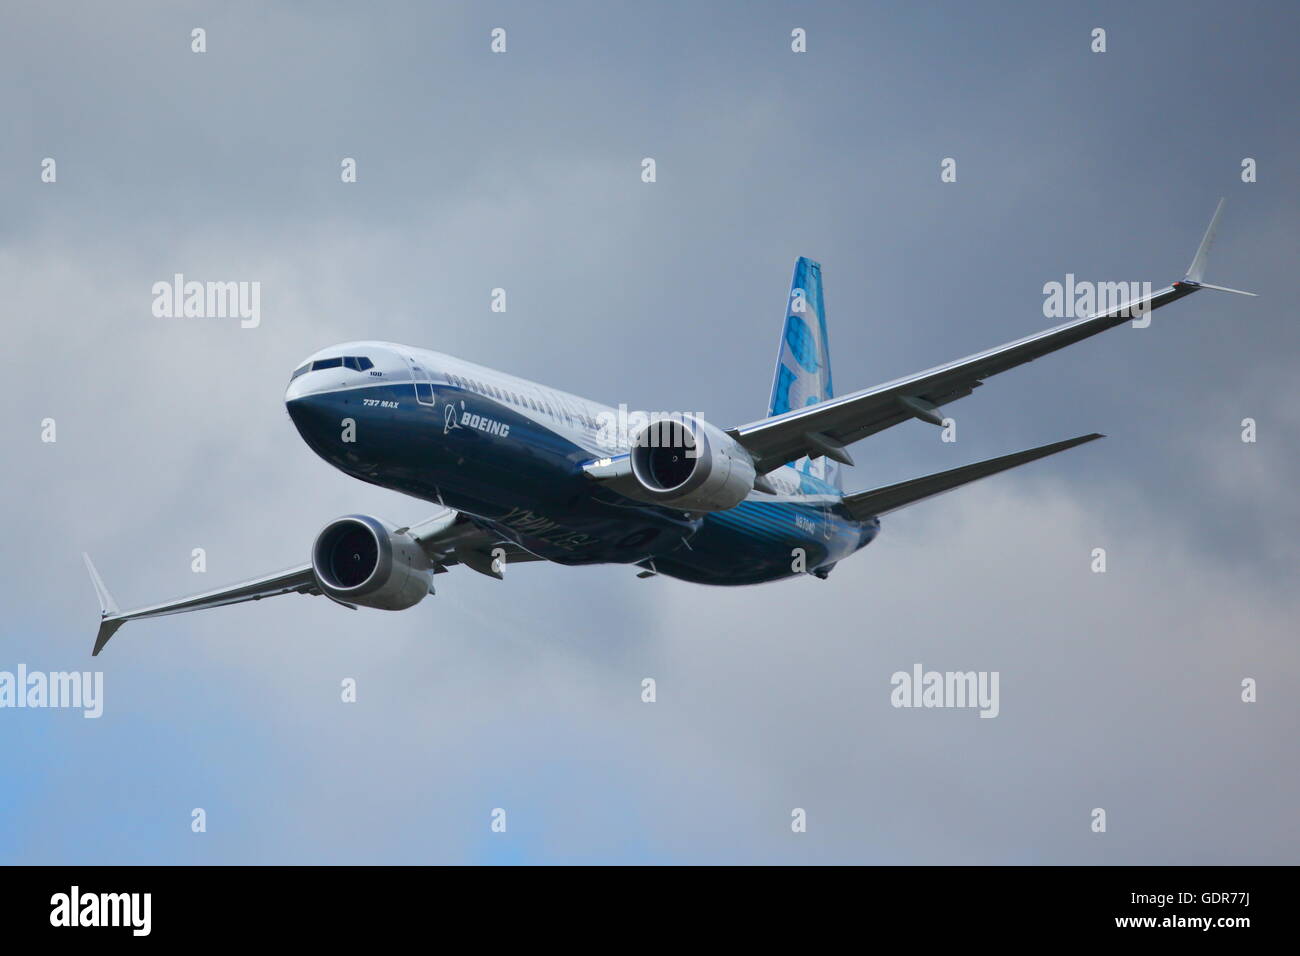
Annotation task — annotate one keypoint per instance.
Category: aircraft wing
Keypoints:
(447, 539)
(452, 538)
(826, 427)
(292, 580)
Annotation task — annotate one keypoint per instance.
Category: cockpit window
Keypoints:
(358, 363)
(300, 370)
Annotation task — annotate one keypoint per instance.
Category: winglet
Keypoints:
(107, 606)
(107, 628)
(1196, 271)
(108, 609)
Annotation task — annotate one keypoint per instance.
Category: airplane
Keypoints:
(525, 472)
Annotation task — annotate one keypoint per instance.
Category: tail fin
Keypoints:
(803, 362)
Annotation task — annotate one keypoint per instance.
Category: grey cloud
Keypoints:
(1119, 690)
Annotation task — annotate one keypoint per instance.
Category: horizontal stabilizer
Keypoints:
(868, 504)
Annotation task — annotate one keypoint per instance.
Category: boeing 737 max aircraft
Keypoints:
(524, 472)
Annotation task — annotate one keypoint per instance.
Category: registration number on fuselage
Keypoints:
(379, 403)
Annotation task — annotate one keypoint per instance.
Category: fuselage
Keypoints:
(509, 453)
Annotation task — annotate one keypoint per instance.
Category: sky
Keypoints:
(522, 170)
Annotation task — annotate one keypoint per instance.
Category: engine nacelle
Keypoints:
(692, 465)
(358, 559)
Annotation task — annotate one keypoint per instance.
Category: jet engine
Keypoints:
(689, 464)
(359, 559)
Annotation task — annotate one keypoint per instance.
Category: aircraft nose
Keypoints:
(314, 414)
(301, 405)
(296, 390)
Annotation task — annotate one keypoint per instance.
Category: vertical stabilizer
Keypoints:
(803, 361)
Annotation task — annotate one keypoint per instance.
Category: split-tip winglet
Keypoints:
(1196, 270)
(108, 609)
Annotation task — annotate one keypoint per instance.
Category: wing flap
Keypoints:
(452, 538)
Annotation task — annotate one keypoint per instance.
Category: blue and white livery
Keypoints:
(521, 471)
